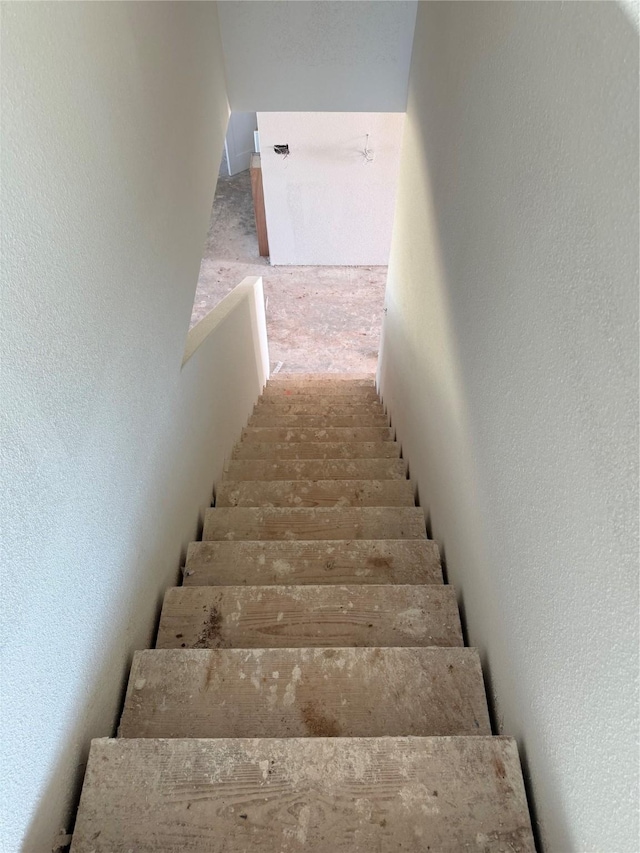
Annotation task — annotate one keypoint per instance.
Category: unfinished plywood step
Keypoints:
(318, 795)
(353, 393)
(367, 419)
(361, 389)
(316, 434)
(316, 405)
(316, 469)
(238, 523)
(402, 561)
(252, 617)
(278, 407)
(282, 451)
(318, 692)
(312, 493)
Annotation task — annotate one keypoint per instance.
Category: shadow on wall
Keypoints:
(508, 359)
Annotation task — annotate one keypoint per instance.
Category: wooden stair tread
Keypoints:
(335, 421)
(380, 561)
(320, 795)
(317, 450)
(316, 405)
(276, 523)
(309, 615)
(331, 692)
(316, 434)
(315, 493)
(316, 469)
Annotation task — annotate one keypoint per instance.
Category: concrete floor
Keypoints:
(320, 319)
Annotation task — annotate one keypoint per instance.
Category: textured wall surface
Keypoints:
(114, 117)
(318, 55)
(324, 204)
(510, 363)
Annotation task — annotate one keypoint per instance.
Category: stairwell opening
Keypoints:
(320, 194)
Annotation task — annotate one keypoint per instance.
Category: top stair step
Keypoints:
(322, 389)
(320, 795)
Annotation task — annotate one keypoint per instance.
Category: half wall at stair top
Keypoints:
(318, 55)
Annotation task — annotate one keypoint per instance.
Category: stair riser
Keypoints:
(308, 616)
(329, 562)
(305, 693)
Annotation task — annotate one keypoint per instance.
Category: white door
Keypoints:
(238, 145)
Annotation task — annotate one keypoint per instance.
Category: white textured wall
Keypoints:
(323, 204)
(510, 364)
(318, 54)
(114, 117)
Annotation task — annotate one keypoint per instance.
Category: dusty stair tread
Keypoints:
(277, 523)
(317, 405)
(315, 493)
(274, 421)
(316, 469)
(319, 692)
(316, 434)
(320, 795)
(317, 450)
(400, 561)
(288, 409)
(342, 391)
(253, 617)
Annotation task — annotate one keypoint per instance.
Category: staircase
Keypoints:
(310, 688)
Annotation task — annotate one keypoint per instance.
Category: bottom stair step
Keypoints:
(322, 692)
(319, 796)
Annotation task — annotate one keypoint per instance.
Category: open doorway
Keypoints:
(329, 199)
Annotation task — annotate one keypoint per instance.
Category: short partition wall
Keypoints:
(225, 367)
